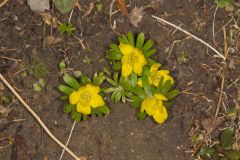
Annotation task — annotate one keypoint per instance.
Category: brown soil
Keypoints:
(120, 135)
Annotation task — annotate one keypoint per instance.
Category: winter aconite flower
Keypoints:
(132, 60)
(85, 98)
(156, 75)
(154, 107)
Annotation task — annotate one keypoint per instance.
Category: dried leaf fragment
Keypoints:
(136, 16)
(50, 40)
(39, 5)
(49, 19)
(122, 6)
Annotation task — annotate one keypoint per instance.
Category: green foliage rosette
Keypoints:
(84, 97)
(138, 78)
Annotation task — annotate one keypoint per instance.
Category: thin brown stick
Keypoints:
(213, 26)
(37, 118)
(190, 34)
(69, 137)
(3, 2)
(9, 58)
(110, 18)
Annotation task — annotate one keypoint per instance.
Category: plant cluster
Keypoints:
(137, 78)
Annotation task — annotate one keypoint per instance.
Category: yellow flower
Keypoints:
(156, 75)
(154, 107)
(132, 60)
(85, 98)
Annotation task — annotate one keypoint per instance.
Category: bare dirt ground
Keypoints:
(118, 136)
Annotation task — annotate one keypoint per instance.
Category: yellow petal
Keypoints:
(167, 77)
(74, 97)
(126, 70)
(96, 101)
(142, 59)
(155, 67)
(140, 83)
(160, 96)
(92, 89)
(160, 115)
(162, 72)
(138, 68)
(126, 48)
(148, 106)
(83, 108)
(155, 82)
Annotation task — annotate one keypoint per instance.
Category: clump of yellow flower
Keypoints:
(156, 75)
(154, 107)
(132, 60)
(85, 98)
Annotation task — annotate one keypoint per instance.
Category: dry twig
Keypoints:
(3, 2)
(69, 137)
(110, 18)
(188, 33)
(37, 118)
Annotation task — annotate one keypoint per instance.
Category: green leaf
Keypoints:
(170, 95)
(131, 38)
(114, 47)
(98, 78)
(66, 28)
(71, 81)
(38, 68)
(166, 87)
(104, 109)
(85, 80)
(42, 82)
(68, 108)
(76, 116)
(151, 62)
(65, 89)
(113, 55)
(64, 6)
(64, 97)
(109, 90)
(136, 101)
(123, 39)
(125, 83)
(150, 52)
(117, 66)
(37, 87)
(232, 113)
(141, 115)
(167, 104)
(140, 40)
(85, 117)
(226, 138)
(133, 79)
(96, 112)
(148, 45)
(207, 152)
(146, 85)
(112, 82)
(115, 77)
(139, 92)
(232, 154)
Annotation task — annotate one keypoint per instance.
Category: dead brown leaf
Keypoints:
(50, 40)
(39, 5)
(5, 111)
(1, 86)
(49, 19)
(207, 123)
(136, 16)
(122, 6)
